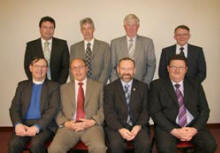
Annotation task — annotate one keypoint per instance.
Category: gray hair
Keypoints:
(87, 21)
(131, 17)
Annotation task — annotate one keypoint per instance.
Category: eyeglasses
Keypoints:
(181, 68)
(78, 67)
(40, 66)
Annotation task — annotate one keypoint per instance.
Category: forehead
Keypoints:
(47, 23)
(131, 21)
(177, 62)
(40, 62)
(77, 63)
(181, 30)
(87, 24)
(126, 63)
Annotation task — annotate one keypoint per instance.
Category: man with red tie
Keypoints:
(81, 115)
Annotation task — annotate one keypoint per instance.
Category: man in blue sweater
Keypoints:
(33, 110)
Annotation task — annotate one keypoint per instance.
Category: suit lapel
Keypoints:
(133, 93)
(44, 96)
(137, 48)
(121, 93)
(40, 47)
(88, 92)
(28, 94)
(95, 48)
(71, 95)
(187, 95)
(124, 46)
(171, 92)
(189, 54)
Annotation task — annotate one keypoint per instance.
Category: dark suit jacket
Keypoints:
(164, 106)
(50, 99)
(115, 106)
(59, 60)
(195, 59)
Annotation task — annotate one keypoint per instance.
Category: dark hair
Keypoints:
(178, 57)
(182, 27)
(36, 59)
(45, 19)
(126, 59)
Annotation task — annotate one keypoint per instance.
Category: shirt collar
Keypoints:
(184, 46)
(180, 83)
(84, 81)
(38, 82)
(134, 38)
(43, 40)
(91, 42)
(125, 83)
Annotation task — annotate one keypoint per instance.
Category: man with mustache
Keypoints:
(125, 110)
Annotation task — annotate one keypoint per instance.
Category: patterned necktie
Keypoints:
(89, 59)
(181, 51)
(127, 98)
(47, 56)
(80, 103)
(182, 119)
(131, 48)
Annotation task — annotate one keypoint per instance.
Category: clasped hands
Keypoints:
(184, 133)
(129, 135)
(79, 125)
(23, 130)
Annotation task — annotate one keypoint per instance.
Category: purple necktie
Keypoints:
(182, 110)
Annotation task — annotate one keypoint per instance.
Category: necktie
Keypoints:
(131, 48)
(80, 103)
(89, 59)
(181, 51)
(127, 98)
(182, 119)
(47, 56)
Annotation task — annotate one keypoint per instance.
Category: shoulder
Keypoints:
(59, 40)
(119, 39)
(144, 38)
(165, 49)
(76, 45)
(24, 83)
(94, 83)
(159, 83)
(32, 42)
(140, 84)
(195, 49)
(101, 43)
(50, 83)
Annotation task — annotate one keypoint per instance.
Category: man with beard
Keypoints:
(125, 110)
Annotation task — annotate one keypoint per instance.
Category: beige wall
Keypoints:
(19, 24)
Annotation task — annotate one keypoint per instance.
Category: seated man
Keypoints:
(125, 109)
(33, 110)
(81, 115)
(179, 110)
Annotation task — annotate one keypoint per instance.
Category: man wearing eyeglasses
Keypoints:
(194, 55)
(81, 115)
(33, 110)
(179, 109)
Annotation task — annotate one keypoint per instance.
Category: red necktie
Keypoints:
(80, 103)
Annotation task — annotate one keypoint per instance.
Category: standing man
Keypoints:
(139, 48)
(33, 110)
(95, 52)
(194, 55)
(126, 110)
(54, 50)
(81, 115)
(179, 110)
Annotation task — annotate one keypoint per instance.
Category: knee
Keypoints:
(143, 145)
(166, 147)
(99, 148)
(116, 145)
(209, 145)
(14, 146)
(37, 146)
(55, 149)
